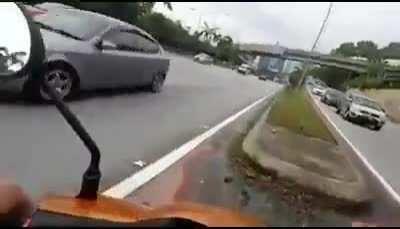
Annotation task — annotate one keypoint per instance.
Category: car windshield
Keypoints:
(81, 25)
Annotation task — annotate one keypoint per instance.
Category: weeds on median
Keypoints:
(293, 111)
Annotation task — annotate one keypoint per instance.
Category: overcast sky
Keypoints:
(294, 25)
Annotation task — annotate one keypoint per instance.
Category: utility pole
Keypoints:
(315, 44)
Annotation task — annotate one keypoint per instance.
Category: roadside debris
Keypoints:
(228, 179)
(251, 174)
(139, 163)
(245, 198)
(205, 126)
(145, 203)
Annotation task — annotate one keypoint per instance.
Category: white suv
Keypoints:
(244, 69)
(361, 109)
(318, 90)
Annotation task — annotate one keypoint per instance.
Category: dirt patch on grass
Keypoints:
(293, 111)
(389, 99)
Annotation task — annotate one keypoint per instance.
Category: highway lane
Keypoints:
(42, 154)
(380, 148)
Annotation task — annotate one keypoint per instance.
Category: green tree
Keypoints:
(346, 49)
(333, 77)
(295, 76)
(125, 11)
(172, 33)
(226, 50)
(375, 69)
(369, 50)
(209, 33)
(147, 7)
(391, 51)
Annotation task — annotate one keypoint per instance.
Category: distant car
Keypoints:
(361, 109)
(87, 50)
(203, 58)
(332, 97)
(265, 77)
(244, 69)
(318, 90)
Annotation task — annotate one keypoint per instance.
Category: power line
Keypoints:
(316, 42)
(322, 27)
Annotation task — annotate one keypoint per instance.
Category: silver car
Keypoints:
(363, 110)
(86, 50)
(203, 58)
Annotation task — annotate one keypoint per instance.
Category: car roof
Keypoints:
(109, 20)
(358, 94)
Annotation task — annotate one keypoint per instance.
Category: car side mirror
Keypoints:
(21, 44)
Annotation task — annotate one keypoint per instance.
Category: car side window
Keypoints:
(123, 41)
(143, 44)
(149, 46)
(113, 37)
(131, 41)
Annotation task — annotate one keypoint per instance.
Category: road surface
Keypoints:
(201, 177)
(42, 153)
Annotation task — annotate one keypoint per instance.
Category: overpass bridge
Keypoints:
(283, 54)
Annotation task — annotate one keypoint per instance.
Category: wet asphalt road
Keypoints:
(42, 154)
(380, 148)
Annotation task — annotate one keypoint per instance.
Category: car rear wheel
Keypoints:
(157, 83)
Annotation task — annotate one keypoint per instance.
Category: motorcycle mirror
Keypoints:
(21, 45)
(22, 53)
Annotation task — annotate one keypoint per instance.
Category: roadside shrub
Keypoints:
(364, 82)
(294, 78)
(391, 84)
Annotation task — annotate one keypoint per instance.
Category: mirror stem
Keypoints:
(92, 175)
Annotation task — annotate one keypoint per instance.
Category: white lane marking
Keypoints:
(136, 180)
(382, 180)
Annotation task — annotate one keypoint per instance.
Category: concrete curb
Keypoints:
(351, 191)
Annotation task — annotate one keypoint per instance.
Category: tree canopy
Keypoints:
(166, 31)
(367, 49)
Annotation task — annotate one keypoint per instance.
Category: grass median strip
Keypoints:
(293, 140)
(293, 111)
